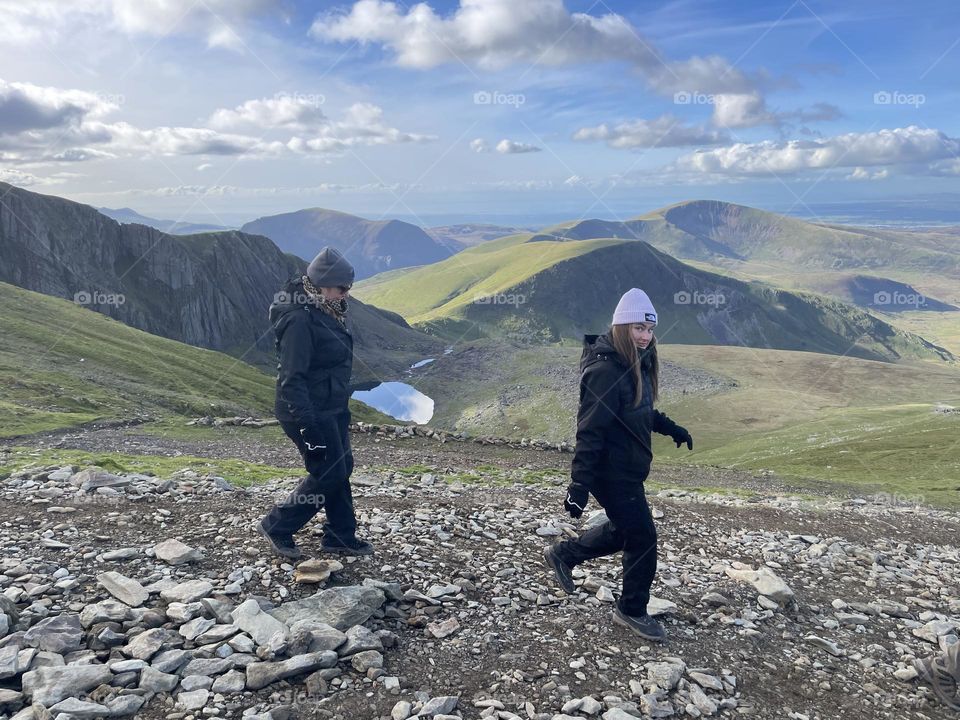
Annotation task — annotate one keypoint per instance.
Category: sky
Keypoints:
(501, 110)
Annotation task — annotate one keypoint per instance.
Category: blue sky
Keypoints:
(224, 110)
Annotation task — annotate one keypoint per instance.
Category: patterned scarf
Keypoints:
(334, 308)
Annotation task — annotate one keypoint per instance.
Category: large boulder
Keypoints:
(342, 607)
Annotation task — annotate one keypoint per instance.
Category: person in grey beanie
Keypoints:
(315, 353)
(619, 378)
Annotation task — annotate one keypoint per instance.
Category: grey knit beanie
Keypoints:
(330, 269)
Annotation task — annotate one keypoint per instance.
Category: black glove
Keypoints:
(314, 441)
(681, 436)
(576, 502)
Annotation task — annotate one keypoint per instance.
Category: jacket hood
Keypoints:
(290, 299)
(596, 348)
(599, 347)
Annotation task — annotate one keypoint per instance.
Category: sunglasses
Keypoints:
(344, 288)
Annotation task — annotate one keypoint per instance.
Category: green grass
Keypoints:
(237, 472)
(62, 365)
(780, 398)
(906, 450)
(441, 290)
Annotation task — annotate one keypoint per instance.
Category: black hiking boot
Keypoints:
(562, 571)
(354, 546)
(642, 625)
(282, 546)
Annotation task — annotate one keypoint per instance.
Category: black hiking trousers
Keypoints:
(629, 528)
(327, 486)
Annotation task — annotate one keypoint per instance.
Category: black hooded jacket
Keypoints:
(613, 436)
(315, 359)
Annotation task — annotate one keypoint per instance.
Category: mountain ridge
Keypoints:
(371, 246)
(210, 290)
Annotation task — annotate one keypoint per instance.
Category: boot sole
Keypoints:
(652, 638)
(568, 587)
(281, 551)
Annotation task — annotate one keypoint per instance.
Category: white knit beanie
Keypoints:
(634, 307)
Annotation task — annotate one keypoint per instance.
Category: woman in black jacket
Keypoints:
(618, 387)
(315, 353)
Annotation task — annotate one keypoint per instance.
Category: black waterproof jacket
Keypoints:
(613, 436)
(315, 359)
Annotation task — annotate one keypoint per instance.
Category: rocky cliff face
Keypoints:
(210, 289)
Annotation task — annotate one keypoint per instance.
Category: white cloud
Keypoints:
(126, 138)
(510, 147)
(664, 131)
(43, 124)
(25, 107)
(915, 149)
(494, 34)
(741, 110)
(947, 167)
(282, 111)
(362, 124)
(237, 191)
(861, 173)
(479, 145)
(220, 22)
(745, 110)
(25, 179)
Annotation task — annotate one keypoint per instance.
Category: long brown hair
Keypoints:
(627, 350)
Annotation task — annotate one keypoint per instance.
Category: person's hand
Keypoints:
(576, 501)
(314, 442)
(681, 436)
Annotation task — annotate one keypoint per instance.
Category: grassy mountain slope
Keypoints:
(63, 365)
(820, 417)
(786, 251)
(534, 288)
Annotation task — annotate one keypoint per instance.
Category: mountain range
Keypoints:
(172, 227)
(556, 285)
(371, 246)
(211, 290)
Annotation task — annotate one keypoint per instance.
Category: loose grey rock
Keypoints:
(50, 685)
(105, 611)
(261, 674)
(365, 660)
(79, 708)
(443, 705)
(314, 636)
(58, 633)
(187, 592)
(764, 581)
(659, 606)
(824, 644)
(175, 552)
(342, 607)
(196, 627)
(193, 700)
(259, 625)
(126, 590)
(358, 639)
(156, 681)
(665, 675)
(146, 644)
(230, 683)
